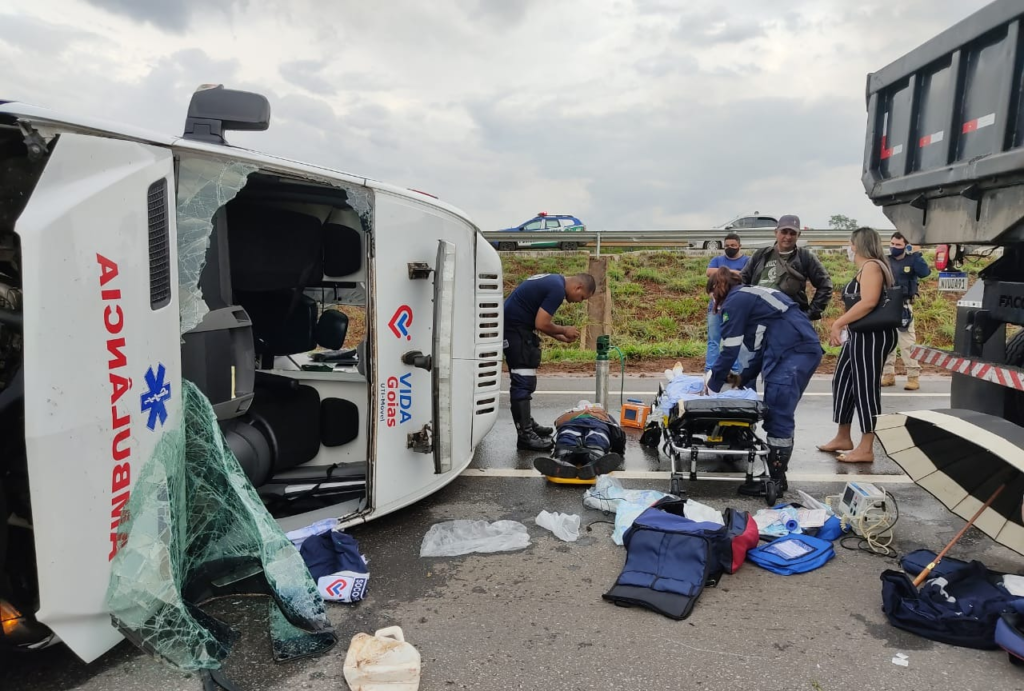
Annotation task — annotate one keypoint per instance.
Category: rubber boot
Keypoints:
(888, 380)
(912, 384)
(528, 439)
(540, 429)
(778, 464)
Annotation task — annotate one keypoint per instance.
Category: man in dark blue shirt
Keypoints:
(530, 308)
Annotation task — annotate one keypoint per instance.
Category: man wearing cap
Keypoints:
(789, 268)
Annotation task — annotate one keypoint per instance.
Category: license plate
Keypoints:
(953, 281)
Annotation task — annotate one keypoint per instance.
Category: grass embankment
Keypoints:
(659, 308)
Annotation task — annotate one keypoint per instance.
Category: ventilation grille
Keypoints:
(488, 321)
(159, 246)
(488, 283)
(485, 406)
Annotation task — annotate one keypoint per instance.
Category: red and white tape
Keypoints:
(1010, 377)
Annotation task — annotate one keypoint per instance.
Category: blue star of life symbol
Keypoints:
(154, 401)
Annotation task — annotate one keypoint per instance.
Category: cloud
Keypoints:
(305, 74)
(39, 36)
(170, 15)
(642, 114)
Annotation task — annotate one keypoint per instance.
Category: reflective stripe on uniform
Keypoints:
(766, 294)
(759, 336)
(524, 372)
(732, 342)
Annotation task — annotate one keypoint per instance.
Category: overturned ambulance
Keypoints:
(138, 270)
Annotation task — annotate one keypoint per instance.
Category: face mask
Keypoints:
(850, 253)
(731, 251)
(897, 251)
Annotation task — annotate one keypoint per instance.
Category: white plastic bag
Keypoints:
(565, 526)
(608, 493)
(626, 514)
(453, 538)
(702, 513)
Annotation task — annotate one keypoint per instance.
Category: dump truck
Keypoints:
(944, 159)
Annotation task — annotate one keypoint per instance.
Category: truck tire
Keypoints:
(506, 247)
(1014, 398)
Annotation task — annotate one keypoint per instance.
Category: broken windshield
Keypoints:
(204, 186)
(196, 530)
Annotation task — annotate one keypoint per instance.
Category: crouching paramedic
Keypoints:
(786, 352)
(531, 306)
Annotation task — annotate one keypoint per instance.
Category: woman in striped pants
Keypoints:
(856, 384)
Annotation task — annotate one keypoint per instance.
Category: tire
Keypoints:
(1014, 406)
(712, 245)
(567, 246)
(506, 247)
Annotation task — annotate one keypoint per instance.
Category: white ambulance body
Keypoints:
(129, 261)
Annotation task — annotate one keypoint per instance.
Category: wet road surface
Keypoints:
(534, 619)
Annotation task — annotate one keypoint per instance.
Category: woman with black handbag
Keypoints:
(867, 334)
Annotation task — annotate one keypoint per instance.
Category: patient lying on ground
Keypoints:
(588, 443)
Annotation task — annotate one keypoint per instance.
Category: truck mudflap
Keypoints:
(995, 373)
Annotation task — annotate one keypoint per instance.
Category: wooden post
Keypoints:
(599, 307)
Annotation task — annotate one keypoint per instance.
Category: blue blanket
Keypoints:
(687, 387)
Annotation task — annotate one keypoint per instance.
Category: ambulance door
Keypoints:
(102, 362)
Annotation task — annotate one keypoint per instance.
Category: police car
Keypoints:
(540, 223)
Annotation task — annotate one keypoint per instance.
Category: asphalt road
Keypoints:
(534, 619)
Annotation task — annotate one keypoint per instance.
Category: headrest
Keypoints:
(273, 248)
(343, 250)
(331, 329)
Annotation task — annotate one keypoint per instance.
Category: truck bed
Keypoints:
(944, 149)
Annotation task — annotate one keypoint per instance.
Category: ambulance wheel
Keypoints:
(567, 246)
(771, 492)
(507, 246)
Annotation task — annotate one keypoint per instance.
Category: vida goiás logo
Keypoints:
(400, 322)
(154, 400)
(343, 586)
(396, 400)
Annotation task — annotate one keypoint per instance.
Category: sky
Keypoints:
(630, 114)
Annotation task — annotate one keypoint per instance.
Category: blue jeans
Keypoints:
(715, 345)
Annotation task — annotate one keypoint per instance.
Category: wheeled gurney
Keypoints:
(703, 428)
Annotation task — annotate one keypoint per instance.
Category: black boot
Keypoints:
(778, 464)
(528, 439)
(540, 429)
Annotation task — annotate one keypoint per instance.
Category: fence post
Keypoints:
(599, 307)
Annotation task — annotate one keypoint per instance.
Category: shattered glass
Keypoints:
(195, 530)
(204, 185)
(360, 199)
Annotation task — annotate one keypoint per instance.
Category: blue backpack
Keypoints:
(793, 554)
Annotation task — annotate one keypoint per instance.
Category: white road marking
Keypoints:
(613, 394)
(730, 477)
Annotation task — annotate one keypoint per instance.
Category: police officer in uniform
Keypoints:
(908, 267)
(530, 308)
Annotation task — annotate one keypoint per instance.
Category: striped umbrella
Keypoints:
(972, 462)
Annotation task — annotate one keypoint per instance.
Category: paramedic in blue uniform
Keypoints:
(786, 352)
(530, 308)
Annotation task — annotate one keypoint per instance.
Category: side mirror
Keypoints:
(214, 110)
(331, 329)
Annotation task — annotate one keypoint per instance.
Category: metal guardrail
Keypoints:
(706, 239)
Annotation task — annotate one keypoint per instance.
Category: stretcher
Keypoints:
(706, 428)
